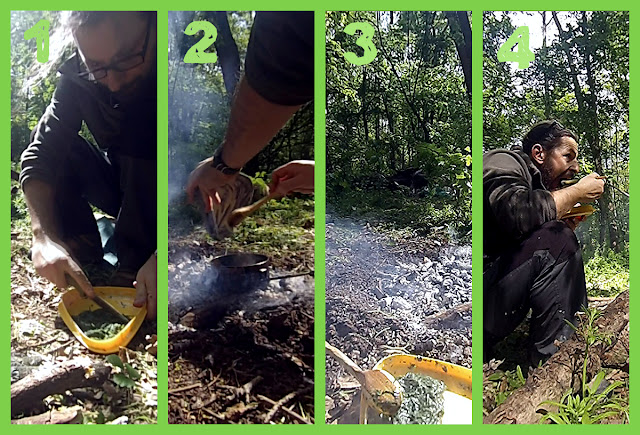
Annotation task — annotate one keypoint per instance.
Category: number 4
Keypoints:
(524, 56)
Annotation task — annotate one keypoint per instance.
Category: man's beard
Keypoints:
(139, 89)
(545, 172)
(550, 182)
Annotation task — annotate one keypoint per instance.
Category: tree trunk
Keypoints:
(564, 369)
(27, 393)
(227, 50)
(461, 32)
(363, 90)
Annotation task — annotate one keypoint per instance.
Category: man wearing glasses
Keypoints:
(532, 259)
(109, 85)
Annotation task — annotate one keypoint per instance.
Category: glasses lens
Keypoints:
(98, 74)
(129, 63)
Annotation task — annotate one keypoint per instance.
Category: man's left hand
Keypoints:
(574, 221)
(146, 285)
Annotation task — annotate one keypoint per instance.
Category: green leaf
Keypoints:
(595, 383)
(123, 381)
(133, 373)
(496, 376)
(115, 360)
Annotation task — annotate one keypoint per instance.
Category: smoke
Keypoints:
(198, 108)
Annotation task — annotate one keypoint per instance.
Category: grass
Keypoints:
(282, 229)
(402, 210)
(607, 273)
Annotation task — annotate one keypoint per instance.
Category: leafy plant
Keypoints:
(126, 376)
(588, 406)
(507, 382)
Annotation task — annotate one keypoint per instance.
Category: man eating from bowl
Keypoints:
(532, 259)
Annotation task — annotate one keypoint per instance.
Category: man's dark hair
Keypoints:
(546, 133)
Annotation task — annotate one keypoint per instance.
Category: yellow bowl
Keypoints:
(457, 379)
(121, 298)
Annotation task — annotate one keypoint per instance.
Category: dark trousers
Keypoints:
(545, 273)
(121, 186)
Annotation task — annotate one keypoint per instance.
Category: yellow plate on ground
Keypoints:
(581, 210)
(121, 298)
(457, 379)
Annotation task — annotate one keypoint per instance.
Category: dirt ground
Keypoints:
(384, 293)
(40, 340)
(252, 360)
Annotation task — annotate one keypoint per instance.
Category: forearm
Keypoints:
(565, 199)
(254, 121)
(39, 197)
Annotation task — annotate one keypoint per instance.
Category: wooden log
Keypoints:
(27, 393)
(64, 416)
(562, 371)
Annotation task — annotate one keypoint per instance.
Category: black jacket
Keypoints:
(516, 202)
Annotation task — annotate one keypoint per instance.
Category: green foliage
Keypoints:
(506, 383)
(407, 108)
(607, 273)
(588, 406)
(402, 209)
(127, 376)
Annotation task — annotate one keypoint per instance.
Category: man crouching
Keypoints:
(532, 259)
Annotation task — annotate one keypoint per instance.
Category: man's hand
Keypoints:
(590, 187)
(295, 176)
(574, 221)
(146, 285)
(207, 180)
(53, 261)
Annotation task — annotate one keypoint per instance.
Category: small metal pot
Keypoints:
(240, 273)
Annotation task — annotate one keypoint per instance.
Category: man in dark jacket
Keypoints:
(278, 80)
(532, 259)
(110, 86)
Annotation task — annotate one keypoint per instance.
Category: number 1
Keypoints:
(41, 32)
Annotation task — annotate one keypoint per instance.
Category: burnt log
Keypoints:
(564, 369)
(27, 393)
(410, 177)
(64, 416)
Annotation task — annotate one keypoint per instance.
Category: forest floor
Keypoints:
(253, 362)
(508, 368)
(41, 341)
(391, 291)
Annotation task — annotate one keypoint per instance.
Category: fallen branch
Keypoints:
(563, 370)
(458, 309)
(280, 403)
(186, 388)
(288, 411)
(65, 416)
(27, 393)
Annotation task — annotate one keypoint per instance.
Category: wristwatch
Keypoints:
(221, 166)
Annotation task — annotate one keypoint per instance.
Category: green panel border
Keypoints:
(163, 6)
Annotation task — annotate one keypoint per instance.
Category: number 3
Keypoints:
(196, 54)
(363, 41)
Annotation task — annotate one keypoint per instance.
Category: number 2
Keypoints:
(197, 54)
(40, 31)
(363, 41)
(524, 56)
